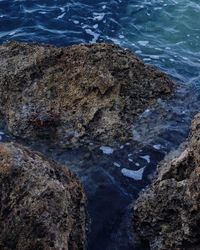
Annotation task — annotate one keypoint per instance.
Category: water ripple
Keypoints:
(170, 28)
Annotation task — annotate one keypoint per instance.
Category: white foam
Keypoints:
(155, 57)
(116, 41)
(76, 22)
(146, 158)
(137, 164)
(129, 159)
(133, 174)
(136, 135)
(146, 113)
(13, 32)
(143, 43)
(157, 146)
(92, 33)
(116, 164)
(2, 133)
(98, 16)
(95, 26)
(147, 59)
(60, 16)
(106, 150)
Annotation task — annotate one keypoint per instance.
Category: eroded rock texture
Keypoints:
(42, 204)
(76, 93)
(167, 214)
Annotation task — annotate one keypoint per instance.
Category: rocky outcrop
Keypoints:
(42, 204)
(167, 214)
(77, 93)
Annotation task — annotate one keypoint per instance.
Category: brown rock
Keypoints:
(167, 214)
(75, 93)
(42, 204)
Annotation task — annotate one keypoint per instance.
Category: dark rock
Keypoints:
(76, 93)
(167, 214)
(42, 204)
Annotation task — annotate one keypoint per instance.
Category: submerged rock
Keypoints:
(76, 93)
(167, 214)
(42, 204)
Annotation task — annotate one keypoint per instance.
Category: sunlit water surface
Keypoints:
(163, 33)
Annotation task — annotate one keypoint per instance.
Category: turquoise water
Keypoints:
(163, 33)
(166, 34)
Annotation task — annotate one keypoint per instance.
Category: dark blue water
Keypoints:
(59, 22)
(163, 33)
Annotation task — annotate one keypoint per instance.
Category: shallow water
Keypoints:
(163, 33)
(103, 170)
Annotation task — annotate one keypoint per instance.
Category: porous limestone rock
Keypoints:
(75, 94)
(167, 214)
(42, 204)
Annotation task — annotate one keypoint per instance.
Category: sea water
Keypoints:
(165, 34)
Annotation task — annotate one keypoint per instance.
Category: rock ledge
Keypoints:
(167, 214)
(75, 94)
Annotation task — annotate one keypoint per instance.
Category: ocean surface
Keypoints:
(165, 34)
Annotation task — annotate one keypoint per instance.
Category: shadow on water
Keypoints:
(112, 181)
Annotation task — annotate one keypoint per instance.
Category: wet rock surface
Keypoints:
(76, 93)
(157, 131)
(42, 204)
(166, 215)
(112, 176)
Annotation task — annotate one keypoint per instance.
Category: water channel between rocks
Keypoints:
(113, 177)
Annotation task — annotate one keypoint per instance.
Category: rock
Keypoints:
(75, 94)
(42, 204)
(167, 214)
